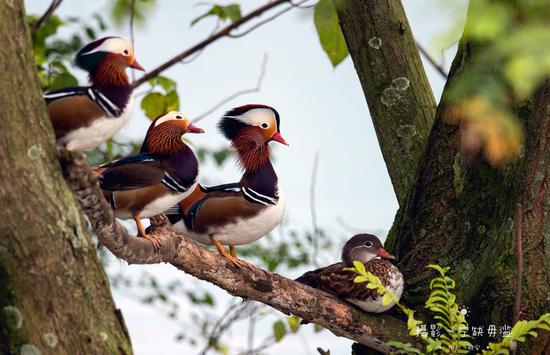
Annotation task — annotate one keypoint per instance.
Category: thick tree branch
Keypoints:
(224, 32)
(271, 289)
(399, 96)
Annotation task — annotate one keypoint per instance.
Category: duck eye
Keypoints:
(179, 117)
(368, 244)
(125, 52)
(264, 125)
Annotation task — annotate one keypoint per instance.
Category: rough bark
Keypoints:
(255, 284)
(461, 214)
(456, 213)
(54, 295)
(399, 96)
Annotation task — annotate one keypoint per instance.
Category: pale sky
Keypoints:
(322, 110)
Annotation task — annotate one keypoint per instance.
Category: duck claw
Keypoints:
(154, 240)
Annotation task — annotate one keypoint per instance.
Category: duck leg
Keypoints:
(233, 259)
(234, 254)
(141, 233)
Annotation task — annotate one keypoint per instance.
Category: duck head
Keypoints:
(165, 134)
(250, 128)
(364, 247)
(106, 60)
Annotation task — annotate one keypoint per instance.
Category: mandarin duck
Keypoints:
(86, 116)
(238, 213)
(164, 172)
(367, 249)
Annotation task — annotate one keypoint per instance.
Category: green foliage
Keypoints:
(518, 334)
(53, 54)
(156, 103)
(279, 330)
(121, 10)
(293, 323)
(442, 304)
(330, 35)
(230, 12)
(509, 63)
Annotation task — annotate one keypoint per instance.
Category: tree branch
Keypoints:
(398, 93)
(199, 46)
(283, 294)
(432, 61)
(236, 94)
(49, 12)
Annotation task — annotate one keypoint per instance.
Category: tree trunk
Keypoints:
(399, 95)
(461, 214)
(54, 295)
(457, 213)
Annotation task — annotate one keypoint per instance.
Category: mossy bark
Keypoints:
(399, 96)
(456, 213)
(460, 213)
(54, 295)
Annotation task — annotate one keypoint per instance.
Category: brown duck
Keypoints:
(368, 249)
(85, 117)
(165, 171)
(242, 212)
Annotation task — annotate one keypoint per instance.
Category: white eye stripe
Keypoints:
(257, 117)
(112, 45)
(170, 116)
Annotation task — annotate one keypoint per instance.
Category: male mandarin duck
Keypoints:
(238, 213)
(85, 117)
(164, 172)
(367, 249)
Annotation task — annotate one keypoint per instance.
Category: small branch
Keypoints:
(132, 39)
(199, 46)
(233, 96)
(519, 256)
(269, 19)
(323, 352)
(432, 61)
(313, 210)
(285, 295)
(49, 12)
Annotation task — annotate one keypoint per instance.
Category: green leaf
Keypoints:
(330, 35)
(387, 299)
(153, 104)
(293, 323)
(279, 330)
(165, 83)
(63, 80)
(403, 348)
(360, 267)
(231, 12)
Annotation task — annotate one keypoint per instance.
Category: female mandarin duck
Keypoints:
(85, 117)
(165, 171)
(367, 249)
(238, 213)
